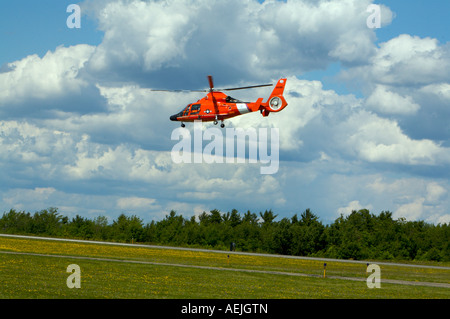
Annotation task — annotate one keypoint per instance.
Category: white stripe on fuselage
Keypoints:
(242, 108)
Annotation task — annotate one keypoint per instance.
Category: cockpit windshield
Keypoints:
(185, 111)
(190, 109)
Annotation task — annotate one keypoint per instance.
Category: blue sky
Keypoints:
(418, 17)
(421, 18)
(35, 27)
(366, 126)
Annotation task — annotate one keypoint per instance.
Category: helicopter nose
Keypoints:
(173, 117)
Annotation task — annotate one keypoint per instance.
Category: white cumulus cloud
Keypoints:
(56, 74)
(388, 102)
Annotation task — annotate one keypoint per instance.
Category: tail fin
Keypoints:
(276, 101)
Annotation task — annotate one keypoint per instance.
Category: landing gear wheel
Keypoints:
(222, 125)
(215, 122)
(182, 125)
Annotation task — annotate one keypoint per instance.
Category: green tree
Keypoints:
(126, 229)
(235, 218)
(102, 230)
(81, 227)
(215, 217)
(267, 218)
(170, 229)
(48, 222)
(307, 234)
(16, 222)
(268, 227)
(282, 239)
(247, 233)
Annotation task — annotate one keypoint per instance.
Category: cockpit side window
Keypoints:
(230, 99)
(195, 109)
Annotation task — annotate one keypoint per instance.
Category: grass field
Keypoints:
(109, 271)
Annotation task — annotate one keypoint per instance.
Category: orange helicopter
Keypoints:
(217, 106)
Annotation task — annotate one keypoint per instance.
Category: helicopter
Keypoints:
(217, 106)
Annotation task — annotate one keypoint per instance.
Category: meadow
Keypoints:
(36, 268)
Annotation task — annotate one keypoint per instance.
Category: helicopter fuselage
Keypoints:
(217, 106)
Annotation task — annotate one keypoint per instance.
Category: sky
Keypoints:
(367, 125)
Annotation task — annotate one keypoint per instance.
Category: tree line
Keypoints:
(359, 235)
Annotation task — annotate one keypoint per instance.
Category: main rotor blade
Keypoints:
(211, 84)
(212, 89)
(247, 87)
(157, 90)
